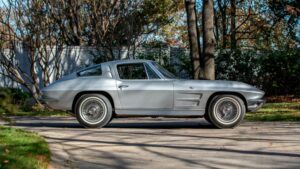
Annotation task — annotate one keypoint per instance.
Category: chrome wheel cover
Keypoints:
(227, 110)
(92, 110)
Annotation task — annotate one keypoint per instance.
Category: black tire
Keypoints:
(206, 117)
(112, 117)
(226, 111)
(97, 114)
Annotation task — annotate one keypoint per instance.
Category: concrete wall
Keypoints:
(71, 59)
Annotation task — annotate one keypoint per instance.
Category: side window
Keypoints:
(132, 71)
(151, 73)
(93, 71)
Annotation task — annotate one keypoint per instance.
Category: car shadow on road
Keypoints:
(162, 125)
(116, 124)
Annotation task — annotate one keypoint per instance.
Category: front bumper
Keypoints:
(254, 105)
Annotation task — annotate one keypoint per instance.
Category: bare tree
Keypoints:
(195, 49)
(19, 31)
(222, 6)
(28, 37)
(41, 30)
(233, 24)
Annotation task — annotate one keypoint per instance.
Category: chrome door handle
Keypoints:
(123, 86)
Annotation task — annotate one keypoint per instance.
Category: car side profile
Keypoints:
(143, 88)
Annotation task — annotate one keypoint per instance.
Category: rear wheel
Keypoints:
(93, 110)
(226, 111)
(206, 117)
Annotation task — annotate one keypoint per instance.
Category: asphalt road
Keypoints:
(168, 143)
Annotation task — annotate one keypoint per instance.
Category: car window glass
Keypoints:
(164, 71)
(132, 71)
(94, 71)
(151, 73)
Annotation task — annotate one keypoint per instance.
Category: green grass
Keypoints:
(21, 149)
(19, 111)
(41, 113)
(285, 111)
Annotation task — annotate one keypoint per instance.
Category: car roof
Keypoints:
(114, 62)
(126, 61)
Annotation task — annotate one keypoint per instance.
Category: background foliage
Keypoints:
(257, 42)
(11, 99)
(275, 71)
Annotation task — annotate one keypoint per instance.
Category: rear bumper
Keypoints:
(48, 101)
(254, 105)
(54, 103)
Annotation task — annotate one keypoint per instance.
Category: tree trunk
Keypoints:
(208, 39)
(222, 8)
(232, 24)
(35, 91)
(224, 30)
(193, 37)
(217, 27)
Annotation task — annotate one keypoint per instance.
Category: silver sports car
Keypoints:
(143, 88)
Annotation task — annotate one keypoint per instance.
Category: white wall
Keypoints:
(76, 57)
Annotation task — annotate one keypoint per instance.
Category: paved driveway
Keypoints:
(168, 143)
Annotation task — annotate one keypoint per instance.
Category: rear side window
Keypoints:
(93, 71)
(132, 71)
(151, 73)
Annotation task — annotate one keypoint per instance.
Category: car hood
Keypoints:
(218, 84)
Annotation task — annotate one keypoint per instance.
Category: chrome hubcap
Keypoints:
(93, 110)
(227, 110)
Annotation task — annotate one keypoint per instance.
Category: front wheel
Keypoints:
(226, 111)
(93, 110)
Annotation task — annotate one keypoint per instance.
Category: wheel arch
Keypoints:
(107, 95)
(224, 93)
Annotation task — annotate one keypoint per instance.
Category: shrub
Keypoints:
(18, 96)
(238, 65)
(6, 105)
(276, 72)
(280, 72)
(11, 99)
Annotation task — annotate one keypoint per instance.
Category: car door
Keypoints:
(140, 88)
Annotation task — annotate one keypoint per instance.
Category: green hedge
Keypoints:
(11, 99)
(276, 72)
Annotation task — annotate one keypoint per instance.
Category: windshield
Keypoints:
(164, 71)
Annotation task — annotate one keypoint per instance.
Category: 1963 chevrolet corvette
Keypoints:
(143, 88)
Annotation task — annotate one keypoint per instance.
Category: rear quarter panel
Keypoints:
(61, 94)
